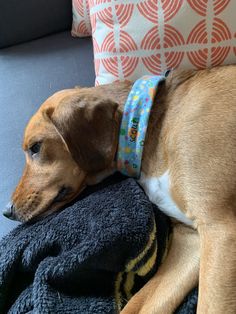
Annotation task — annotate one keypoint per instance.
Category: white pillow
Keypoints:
(137, 37)
(81, 26)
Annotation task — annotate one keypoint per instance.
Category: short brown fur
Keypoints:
(192, 135)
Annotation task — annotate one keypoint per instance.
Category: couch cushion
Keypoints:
(29, 74)
(21, 21)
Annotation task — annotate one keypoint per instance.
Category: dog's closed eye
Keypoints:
(63, 192)
(34, 149)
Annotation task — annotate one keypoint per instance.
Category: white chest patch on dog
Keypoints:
(158, 191)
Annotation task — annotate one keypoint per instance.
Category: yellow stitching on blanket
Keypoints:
(117, 290)
(134, 261)
(143, 270)
(129, 283)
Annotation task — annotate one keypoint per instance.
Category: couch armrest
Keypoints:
(29, 19)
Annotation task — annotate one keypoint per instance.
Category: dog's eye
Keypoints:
(35, 148)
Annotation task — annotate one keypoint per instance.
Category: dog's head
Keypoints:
(73, 135)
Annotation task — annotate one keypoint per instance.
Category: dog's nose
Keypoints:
(9, 211)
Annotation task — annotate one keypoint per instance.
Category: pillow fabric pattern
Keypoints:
(81, 26)
(138, 37)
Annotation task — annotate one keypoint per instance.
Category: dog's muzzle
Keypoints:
(9, 211)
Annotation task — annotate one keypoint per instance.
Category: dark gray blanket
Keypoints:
(87, 258)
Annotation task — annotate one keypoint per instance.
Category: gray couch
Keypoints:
(38, 57)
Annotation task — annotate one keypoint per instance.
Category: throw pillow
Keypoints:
(137, 37)
(81, 26)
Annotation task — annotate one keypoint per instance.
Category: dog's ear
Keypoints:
(89, 127)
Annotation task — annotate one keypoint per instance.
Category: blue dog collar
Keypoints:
(134, 124)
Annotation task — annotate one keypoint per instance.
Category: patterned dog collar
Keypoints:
(134, 124)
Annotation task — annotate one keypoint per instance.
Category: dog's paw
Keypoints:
(143, 303)
(136, 304)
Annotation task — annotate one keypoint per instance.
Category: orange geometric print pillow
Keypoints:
(137, 37)
(81, 26)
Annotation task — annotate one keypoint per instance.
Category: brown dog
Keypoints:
(188, 169)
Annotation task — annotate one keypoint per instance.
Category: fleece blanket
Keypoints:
(91, 257)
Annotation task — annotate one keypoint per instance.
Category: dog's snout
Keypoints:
(9, 211)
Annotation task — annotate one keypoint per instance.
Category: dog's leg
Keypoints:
(175, 278)
(210, 201)
(217, 288)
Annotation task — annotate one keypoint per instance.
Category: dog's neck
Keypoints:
(167, 97)
(118, 92)
(135, 122)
